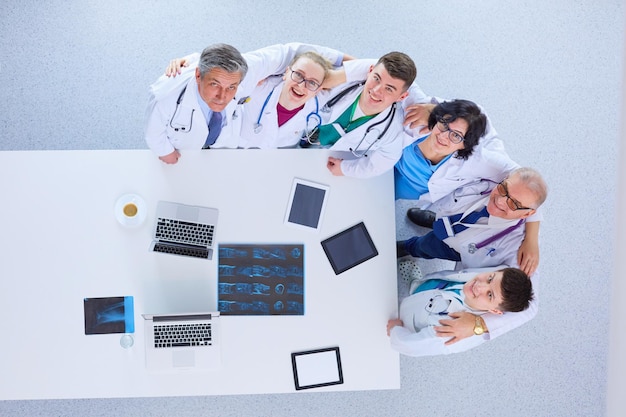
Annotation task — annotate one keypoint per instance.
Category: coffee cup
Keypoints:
(130, 210)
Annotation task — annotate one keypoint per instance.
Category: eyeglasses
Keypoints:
(298, 77)
(454, 137)
(513, 204)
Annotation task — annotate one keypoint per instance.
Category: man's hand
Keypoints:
(528, 256)
(334, 165)
(393, 323)
(417, 115)
(460, 326)
(170, 158)
(173, 68)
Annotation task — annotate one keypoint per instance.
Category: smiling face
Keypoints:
(217, 87)
(484, 292)
(294, 94)
(520, 196)
(438, 144)
(381, 90)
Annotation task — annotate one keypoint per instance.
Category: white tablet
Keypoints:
(307, 202)
(316, 368)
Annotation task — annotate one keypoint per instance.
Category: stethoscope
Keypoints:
(439, 305)
(373, 128)
(181, 128)
(389, 119)
(311, 117)
(472, 247)
(188, 128)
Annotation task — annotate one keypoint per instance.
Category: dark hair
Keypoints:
(466, 110)
(399, 65)
(517, 290)
(221, 55)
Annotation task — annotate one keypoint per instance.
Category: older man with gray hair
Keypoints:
(198, 114)
(481, 225)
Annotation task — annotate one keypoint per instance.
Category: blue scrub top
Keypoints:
(413, 171)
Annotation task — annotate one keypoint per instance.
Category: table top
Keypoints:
(61, 242)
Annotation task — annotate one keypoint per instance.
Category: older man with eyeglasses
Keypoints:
(482, 225)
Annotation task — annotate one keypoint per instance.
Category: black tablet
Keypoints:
(349, 248)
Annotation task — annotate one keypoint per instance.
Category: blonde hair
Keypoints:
(316, 58)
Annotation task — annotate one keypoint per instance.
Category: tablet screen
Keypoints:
(349, 248)
(317, 368)
(306, 204)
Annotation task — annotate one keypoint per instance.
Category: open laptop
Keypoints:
(182, 341)
(184, 230)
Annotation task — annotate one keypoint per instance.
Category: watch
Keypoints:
(478, 326)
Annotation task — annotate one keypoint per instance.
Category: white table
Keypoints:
(60, 242)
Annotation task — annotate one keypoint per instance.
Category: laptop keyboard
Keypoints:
(185, 232)
(182, 335)
(182, 250)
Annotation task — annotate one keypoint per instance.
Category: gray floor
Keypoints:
(74, 75)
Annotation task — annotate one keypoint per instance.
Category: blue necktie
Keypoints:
(215, 127)
(440, 230)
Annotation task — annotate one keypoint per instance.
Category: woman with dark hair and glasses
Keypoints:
(479, 154)
(455, 128)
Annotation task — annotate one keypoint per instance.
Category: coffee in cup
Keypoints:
(130, 210)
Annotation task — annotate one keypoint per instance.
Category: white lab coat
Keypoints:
(271, 135)
(262, 63)
(384, 152)
(417, 336)
(170, 127)
(489, 159)
(505, 252)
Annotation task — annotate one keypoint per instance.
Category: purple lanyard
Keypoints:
(472, 247)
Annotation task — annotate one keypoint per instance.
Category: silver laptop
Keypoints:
(182, 341)
(184, 230)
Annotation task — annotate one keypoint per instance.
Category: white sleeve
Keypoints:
(357, 69)
(427, 343)
(380, 159)
(155, 121)
(274, 59)
(376, 162)
(165, 85)
(500, 324)
(264, 62)
(155, 131)
(417, 96)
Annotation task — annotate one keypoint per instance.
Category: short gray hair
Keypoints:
(532, 179)
(221, 55)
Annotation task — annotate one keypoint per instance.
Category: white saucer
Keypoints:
(137, 219)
